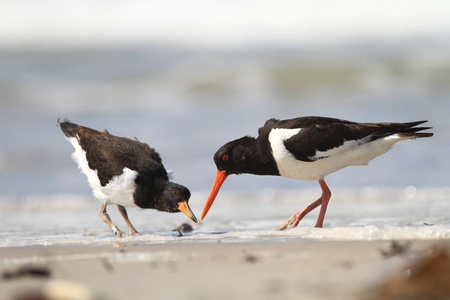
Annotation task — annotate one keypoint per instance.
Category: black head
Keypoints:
(233, 157)
(176, 198)
(243, 155)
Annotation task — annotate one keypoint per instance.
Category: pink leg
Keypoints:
(124, 214)
(326, 195)
(298, 216)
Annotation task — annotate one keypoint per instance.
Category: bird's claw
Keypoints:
(282, 227)
(286, 225)
(119, 233)
(291, 222)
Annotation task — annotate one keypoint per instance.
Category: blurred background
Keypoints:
(188, 76)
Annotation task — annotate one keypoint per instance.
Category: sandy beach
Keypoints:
(297, 269)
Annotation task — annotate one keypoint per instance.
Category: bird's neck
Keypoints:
(148, 194)
(259, 161)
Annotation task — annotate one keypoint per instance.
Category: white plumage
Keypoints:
(351, 153)
(118, 191)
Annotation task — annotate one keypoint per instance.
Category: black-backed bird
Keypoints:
(308, 148)
(124, 172)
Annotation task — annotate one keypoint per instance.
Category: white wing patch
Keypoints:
(345, 147)
(351, 153)
(118, 191)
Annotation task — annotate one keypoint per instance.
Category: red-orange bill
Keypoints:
(220, 178)
(184, 208)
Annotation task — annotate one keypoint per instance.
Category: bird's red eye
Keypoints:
(225, 157)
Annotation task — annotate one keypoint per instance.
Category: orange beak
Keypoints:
(184, 208)
(220, 178)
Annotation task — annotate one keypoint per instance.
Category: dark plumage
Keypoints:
(308, 148)
(125, 172)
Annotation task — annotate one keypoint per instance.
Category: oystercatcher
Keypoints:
(308, 148)
(124, 172)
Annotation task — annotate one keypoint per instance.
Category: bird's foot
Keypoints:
(292, 221)
(119, 233)
(298, 216)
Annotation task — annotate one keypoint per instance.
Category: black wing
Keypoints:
(323, 134)
(109, 155)
(306, 144)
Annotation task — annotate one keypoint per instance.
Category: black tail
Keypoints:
(409, 131)
(69, 129)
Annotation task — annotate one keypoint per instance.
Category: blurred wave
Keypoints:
(140, 78)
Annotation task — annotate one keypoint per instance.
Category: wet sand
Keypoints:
(296, 269)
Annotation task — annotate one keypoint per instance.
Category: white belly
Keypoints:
(118, 191)
(290, 167)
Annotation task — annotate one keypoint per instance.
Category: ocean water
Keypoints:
(187, 91)
(384, 214)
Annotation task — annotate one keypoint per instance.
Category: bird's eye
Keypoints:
(225, 157)
(176, 192)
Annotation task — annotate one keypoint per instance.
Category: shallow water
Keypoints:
(236, 217)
